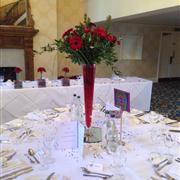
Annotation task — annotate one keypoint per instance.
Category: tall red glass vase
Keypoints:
(88, 77)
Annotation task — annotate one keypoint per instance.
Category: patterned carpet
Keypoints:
(166, 98)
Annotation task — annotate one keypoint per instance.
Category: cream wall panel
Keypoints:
(5, 2)
(45, 16)
(99, 10)
(13, 58)
(70, 13)
(147, 67)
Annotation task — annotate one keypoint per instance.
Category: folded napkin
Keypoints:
(61, 109)
(173, 171)
(135, 112)
(14, 169)
(36, 116)
(152, 117)
(156, 160)
(12, 125)
(94, 168)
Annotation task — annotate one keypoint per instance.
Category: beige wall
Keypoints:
(5, 2)
(63, 14)
(45, 16)
(70, 13)
(147, 67)
(99, 10)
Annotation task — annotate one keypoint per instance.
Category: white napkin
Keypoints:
(152, 117)
(97, 168)
(173, 171)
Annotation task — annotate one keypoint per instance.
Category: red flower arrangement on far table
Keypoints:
(18, 82)
(41, 70)
(65, 80)
(18, 70)
(65, 70)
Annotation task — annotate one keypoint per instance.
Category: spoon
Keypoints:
(95, 173)
(165, 164)
(32, 153)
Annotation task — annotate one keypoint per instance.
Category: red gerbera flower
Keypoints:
(100, 32)
(75, 43)
(87, 30)
(18, 70)
(41, 69)
(65, 69)
(111, 38)
(67, 32)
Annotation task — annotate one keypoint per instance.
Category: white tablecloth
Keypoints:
(139, 146)
(17, 102)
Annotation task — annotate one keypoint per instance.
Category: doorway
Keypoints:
(169, 61)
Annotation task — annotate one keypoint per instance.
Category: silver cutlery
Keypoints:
(16, 173)
(153, 178)
(4, 141)
(174, 122)
(32, 153)
(164, 165)
(177, 160)
(157, 165)
(50, 176)
(10, 156)
(159, 174)
(31, 160)
(174, 130)
(142, 114)
(98, 176)
(95, 173)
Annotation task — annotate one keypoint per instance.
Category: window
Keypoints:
(131, 47)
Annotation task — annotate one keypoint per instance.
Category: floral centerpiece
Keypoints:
(41, 70)
(41, 81)
(87, 45)
(18, 82)
(65, 80)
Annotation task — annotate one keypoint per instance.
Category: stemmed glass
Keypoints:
(169, 141)
(119, 160)
(1, 80)
(157, 137)
(48, 139)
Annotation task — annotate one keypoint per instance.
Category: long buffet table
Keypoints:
(139, 148)
(18, 102)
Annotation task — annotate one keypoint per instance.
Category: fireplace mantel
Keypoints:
(20, 37)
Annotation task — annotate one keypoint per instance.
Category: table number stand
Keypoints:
(122, 101)
(121, 142)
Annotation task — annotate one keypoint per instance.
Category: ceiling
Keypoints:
(170, 17)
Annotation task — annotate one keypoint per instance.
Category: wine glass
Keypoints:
(48, 139)
(1, 79)
(169, 141)
(119, 160)
(157, 137)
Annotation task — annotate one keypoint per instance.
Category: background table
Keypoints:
(17, 102)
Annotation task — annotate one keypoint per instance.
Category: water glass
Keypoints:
(1, 80)
(119, 160)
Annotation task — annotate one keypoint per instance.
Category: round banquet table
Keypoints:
(137, 136)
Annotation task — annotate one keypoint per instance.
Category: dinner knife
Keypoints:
(11, 156)
(50, 176)
(174, 130)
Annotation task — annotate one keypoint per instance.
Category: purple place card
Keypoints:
(122, 99)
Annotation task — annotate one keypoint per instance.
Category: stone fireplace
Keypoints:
(18, 38)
